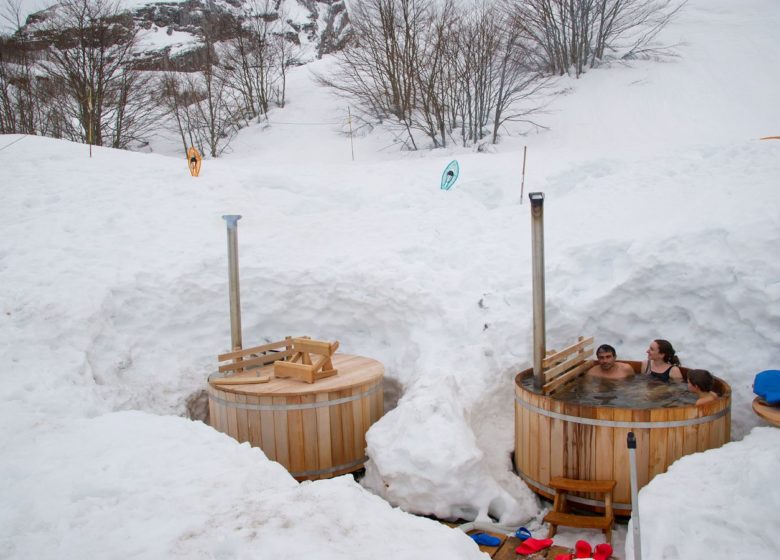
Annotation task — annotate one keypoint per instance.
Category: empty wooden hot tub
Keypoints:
(315, 430)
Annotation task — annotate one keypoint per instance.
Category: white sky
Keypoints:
(662, 220)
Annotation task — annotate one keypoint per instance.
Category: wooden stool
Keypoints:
(560, 516)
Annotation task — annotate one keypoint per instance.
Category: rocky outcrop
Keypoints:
(171, 33)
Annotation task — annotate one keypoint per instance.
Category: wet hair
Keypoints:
(606, 348)
(665, 347)
(701, 378)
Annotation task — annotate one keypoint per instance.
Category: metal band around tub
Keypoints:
(570, 497)
(304, 406)
(330, 470)
(618, 424)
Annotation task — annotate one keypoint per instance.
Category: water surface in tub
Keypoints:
(638, 392)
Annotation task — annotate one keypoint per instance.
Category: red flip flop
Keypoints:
(603, 551)
(529, 546)
(582, 549)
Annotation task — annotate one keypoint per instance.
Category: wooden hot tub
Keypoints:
(314, 430)
(556, 438)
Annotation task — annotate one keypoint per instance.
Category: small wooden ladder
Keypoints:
(560, 514)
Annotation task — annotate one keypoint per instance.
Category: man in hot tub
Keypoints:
(607, 367)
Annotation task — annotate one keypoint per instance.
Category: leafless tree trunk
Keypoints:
(435, 69)
(18, 101)
(572, 35)
(90, 58)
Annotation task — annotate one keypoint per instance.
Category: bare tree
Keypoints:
(377, 71)
(180, 97)
(247, 60)
(18, 102)
(285, 58)
(437, 69)
(256, 60)
(518, 81)
(571, 35)
(90, 55)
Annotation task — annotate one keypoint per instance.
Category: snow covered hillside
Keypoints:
(662, 220)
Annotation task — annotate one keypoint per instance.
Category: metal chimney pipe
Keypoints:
(537, 240)
(235, 292)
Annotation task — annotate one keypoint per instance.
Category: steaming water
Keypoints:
(639, 392)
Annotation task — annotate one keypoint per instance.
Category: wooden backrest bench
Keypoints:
(290, 357)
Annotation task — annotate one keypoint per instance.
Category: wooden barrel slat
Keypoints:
(347, 426)
(357, 424)
(324, 454)
(314, 430)
(242, 420)
(310, 436)
(295, 440)
(621, 466)
(544, 452)
(267, 440)
(336, 435)
(571, 456)
(220, 418)
(232, 415)
(557, 454)
(556, 438)
(642, 451)
(365, 404)
(605, 456)
(281, 431)
(586, 436)
(255, 426)
(533, 442)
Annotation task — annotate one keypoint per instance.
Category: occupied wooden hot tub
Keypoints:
(314, 430)
(555, 438)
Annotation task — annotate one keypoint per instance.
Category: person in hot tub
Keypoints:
(662, 363)
(700, 382)
(607, 367)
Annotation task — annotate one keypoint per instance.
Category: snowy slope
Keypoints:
(661, 221)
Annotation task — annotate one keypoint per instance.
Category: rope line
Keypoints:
(306, 123)
(14, 142)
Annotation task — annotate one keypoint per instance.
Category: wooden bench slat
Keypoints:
(559, 356)
(573, 485)
(560, 515)
(315, 346)
(254, 350)
(258, 361)
(579, 521)
(240, 380)
(551, 373)
(551, 386)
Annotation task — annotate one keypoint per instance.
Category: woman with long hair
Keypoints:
(662, 363)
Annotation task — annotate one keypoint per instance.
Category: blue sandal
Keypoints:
(485, 539)
(522, 533)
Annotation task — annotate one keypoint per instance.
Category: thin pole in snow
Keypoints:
(351, 144)
(522, 182)
(634, 497)
(89, 120)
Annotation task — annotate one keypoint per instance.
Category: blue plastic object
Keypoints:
(450, 175)
(522, 533)
(767, 386)
(485, 539)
